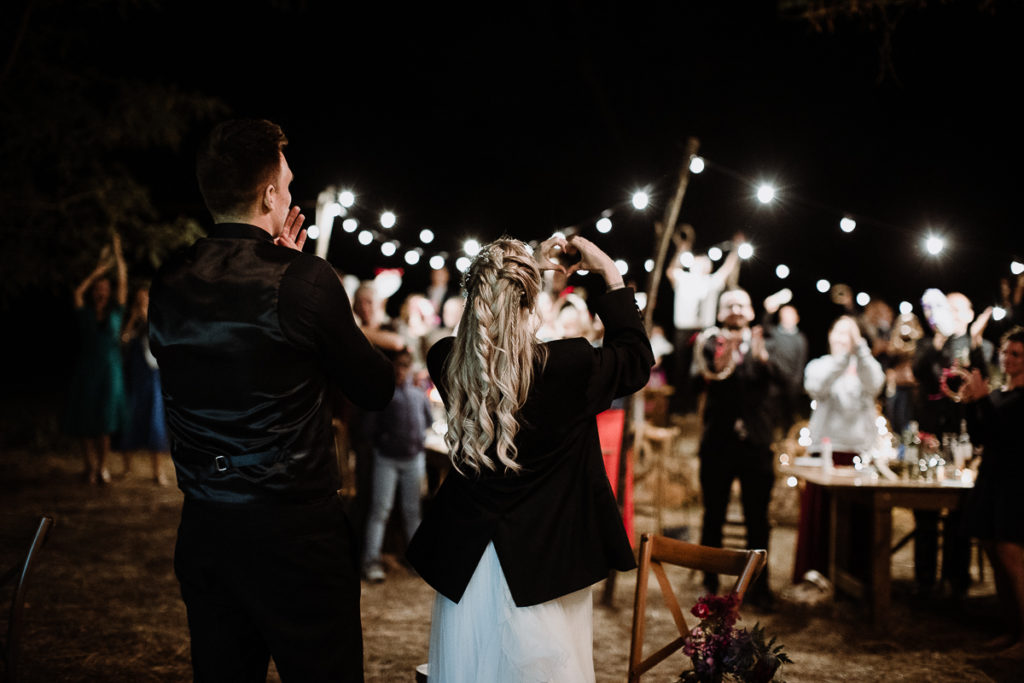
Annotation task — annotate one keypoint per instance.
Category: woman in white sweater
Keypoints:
(844, 385)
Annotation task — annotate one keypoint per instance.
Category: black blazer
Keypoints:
(555, 524)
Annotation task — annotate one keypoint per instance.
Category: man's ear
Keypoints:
(267, 198)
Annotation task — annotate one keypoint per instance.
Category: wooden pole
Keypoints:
(667, 231)
(635, 408)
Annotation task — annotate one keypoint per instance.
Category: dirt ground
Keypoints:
(104, 603)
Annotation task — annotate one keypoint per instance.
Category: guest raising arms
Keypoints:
(526, 521)
(96, 405)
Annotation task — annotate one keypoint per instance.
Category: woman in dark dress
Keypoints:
(96, 407)
(146, 430)
(525, 522)
(993, 512)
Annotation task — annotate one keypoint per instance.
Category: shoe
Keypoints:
(374, 574)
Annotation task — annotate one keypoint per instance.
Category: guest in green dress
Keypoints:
(96, 404)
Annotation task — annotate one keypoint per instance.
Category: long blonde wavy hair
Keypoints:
(491, 367)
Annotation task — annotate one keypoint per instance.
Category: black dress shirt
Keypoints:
(249, 335)
(555, 524)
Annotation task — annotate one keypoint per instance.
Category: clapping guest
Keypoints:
(525, 522)
(96, 406)
(993, 512)
(844, 385)
(738, 430)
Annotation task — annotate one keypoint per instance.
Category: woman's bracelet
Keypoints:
(612, 286)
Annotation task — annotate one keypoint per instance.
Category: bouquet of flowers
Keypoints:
(719, 652)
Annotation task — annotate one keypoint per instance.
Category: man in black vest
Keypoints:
(250, 333)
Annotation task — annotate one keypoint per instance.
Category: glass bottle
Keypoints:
(964, 449)
(912, 449)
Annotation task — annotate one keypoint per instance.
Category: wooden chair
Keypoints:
(656, 551)
(17, 576)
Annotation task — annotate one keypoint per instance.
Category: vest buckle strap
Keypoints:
(221, 463)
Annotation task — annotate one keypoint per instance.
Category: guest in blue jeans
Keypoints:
(399, 462)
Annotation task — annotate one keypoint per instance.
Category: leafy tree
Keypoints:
(75, 128)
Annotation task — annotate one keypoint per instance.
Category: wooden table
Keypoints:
(879, 496)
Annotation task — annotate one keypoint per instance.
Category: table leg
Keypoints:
(833, 516)
(881, 561)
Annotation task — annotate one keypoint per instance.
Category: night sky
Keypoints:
(538, 116)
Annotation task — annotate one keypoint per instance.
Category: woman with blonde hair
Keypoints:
(526, 521)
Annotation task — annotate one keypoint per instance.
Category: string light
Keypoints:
(906, 307)
(934, 244)
(863, 298)
(765, 193)
(462, 264)
(333, 204)
(998, 313)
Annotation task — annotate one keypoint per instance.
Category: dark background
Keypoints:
(531, 117)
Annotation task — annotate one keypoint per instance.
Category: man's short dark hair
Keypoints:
(237, 159)
(1014, 334)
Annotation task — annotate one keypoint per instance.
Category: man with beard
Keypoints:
(738, 425)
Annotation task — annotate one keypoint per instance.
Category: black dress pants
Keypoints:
(277, 581)
(753, 466)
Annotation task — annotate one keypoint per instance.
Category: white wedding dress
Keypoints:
(485, 637)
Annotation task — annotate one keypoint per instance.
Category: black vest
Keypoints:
(247, 409)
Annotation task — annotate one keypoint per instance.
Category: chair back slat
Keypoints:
(655, 552)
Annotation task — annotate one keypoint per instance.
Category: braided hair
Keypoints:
(491, 367)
